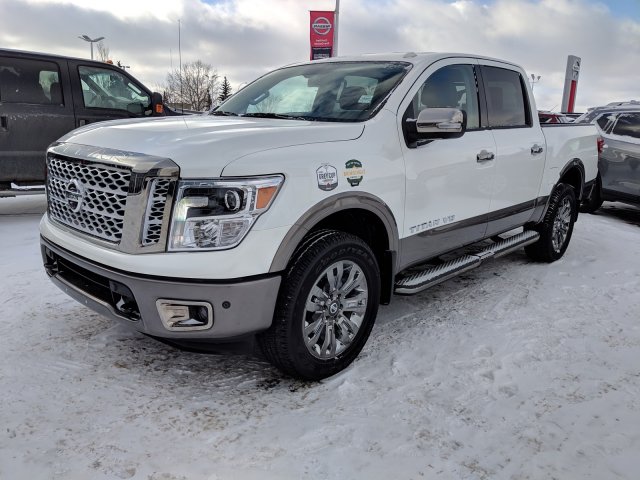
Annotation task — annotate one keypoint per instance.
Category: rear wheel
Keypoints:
(556, 227)
(326, 307)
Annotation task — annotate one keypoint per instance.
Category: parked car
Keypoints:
(309, 197)
(619, 159)
(591, 115)
(44, 96)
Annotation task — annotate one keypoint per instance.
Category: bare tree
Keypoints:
(103, 51)
(195, 88)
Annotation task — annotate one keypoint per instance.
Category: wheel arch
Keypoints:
(573, 173)
(361, 214)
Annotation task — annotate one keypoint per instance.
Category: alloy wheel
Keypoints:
(335, 309)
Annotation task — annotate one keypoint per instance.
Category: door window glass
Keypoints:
(29, 81)
(109, 89)
(506, 99)
(628, 124)
(453, 86)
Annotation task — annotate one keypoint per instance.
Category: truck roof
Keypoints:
(416, 58)
(26, 53)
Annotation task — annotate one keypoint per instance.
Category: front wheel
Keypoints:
(556, 227)
(326, 307)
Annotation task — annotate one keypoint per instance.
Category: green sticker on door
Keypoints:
(354, 172)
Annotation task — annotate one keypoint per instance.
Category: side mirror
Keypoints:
(157, 107)
(435, 123)
(135, 108)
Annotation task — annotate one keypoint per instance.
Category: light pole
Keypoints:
(534, 79)
(87, 39)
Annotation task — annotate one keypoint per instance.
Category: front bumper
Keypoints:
(240, 307)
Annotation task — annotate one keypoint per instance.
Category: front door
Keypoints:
(449, 182)
(35, 110)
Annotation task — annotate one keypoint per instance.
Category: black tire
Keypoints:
(284, 343)
(594, 202)
(562, 206)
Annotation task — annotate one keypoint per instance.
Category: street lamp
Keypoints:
(87, 39)
(534, 79)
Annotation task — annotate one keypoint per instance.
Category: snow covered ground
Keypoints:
(515, 370)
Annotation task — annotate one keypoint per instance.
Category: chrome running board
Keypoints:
(432, 275)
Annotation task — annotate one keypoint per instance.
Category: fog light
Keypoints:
(182, 315)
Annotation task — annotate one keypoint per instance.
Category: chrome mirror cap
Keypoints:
(440, 120)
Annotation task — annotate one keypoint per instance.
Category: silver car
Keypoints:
(619, 159)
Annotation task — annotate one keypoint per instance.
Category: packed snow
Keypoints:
(515, 370)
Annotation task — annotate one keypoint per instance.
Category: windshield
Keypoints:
(335, 91)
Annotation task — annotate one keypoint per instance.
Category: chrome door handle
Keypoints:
(485, 156)
(536, 149)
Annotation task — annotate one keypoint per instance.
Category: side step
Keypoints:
(431, 276)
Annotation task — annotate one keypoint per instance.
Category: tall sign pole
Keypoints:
(335, 30)
(571, 83)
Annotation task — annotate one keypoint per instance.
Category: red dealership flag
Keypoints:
(322, 28)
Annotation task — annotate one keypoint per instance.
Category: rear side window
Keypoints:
(628, 124)
(29, 81)
(606, 121)
(506, 100)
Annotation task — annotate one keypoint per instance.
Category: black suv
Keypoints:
(619, 158)
(42, 97)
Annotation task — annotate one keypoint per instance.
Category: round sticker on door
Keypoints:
(327, 177)
(354, 172)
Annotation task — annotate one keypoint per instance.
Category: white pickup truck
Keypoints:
(308, 198)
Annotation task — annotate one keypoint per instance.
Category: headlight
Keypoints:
(217, 214)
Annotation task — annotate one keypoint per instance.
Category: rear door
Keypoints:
(619, 163)
(520, 147)
(35, 110)
(106, 93)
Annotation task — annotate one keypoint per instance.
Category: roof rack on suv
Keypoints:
(623, 104)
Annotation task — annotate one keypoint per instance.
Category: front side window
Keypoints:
(29, 81)
(506, 99)
(628, 125)
(453, 86)
(109, 89)
(336, 91)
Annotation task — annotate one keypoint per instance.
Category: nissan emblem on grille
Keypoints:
(74, 195)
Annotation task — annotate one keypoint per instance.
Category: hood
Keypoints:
(203, 145)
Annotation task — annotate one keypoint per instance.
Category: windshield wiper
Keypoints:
(225, 114)
(272, 115)
(309, 118)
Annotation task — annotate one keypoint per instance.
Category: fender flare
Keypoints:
(325, 208)
(540, 213)
(575, 163)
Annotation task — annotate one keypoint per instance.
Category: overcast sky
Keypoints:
(243, 39)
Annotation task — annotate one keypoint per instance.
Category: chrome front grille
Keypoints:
(118, 199)
(87, 197)
(151, 233)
